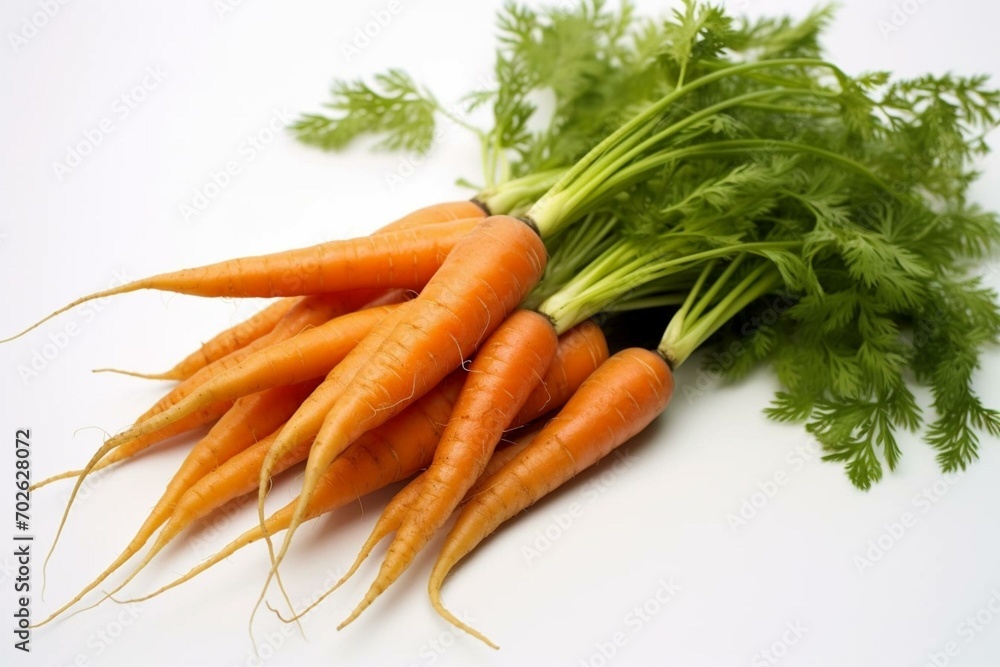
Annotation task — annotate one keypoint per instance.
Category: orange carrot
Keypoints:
(309, 312)
(620, 399)
(506, 369)
(580, 352)
(405, 444)
(282, 365)
(489, 272)
(230, 340)
(387, 453)
(581, 349)
(405, 259)
(311, 354)
(251, 418)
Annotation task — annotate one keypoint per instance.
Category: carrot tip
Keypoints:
(143, 376)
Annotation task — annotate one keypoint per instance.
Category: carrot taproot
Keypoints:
(507, 368)
(262, 322)
(617, 401)
(311, 354)
(392, 443)
(403, 503)
(404, 259)
(220, 345)
(487, 274)
(250, 418)
(307, 420)
(502, 455)
(580, 352)
(284, 364)
(405, 444)
(384, 455)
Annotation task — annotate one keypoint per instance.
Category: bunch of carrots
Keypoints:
(690, 168)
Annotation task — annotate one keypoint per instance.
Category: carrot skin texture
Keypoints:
(309, 312)
(402, 447)
(264, 321)
(405, 258)
(579, 353)
(486, 276)
(506, 369)
(329, 304)
(376, 452)
(581, 350)
(298, 359)
(620, 399)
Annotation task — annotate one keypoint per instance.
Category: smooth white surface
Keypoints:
(661, 519)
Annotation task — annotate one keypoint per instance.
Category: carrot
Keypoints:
(402, 504)
(405, 259)
(489, 272)
(261, 323)
(384, 455)
(620, 399)
(501, 456)
(264, 321)
(250, 418)
(230, 340)
(310, 312)
(309, 355)
(392, 443)
(307, 420)
(280, 365)
(505, 370)
(405, 444)
(580, 352)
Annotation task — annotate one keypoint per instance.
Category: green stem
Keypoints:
(638, 170)
(505, 197)
(687, 332)
(549, 213)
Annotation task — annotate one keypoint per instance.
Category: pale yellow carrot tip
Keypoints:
(55, 478)
(73, 304)
(459, 623)
(134, 374)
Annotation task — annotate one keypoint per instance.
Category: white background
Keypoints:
(227, 76)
